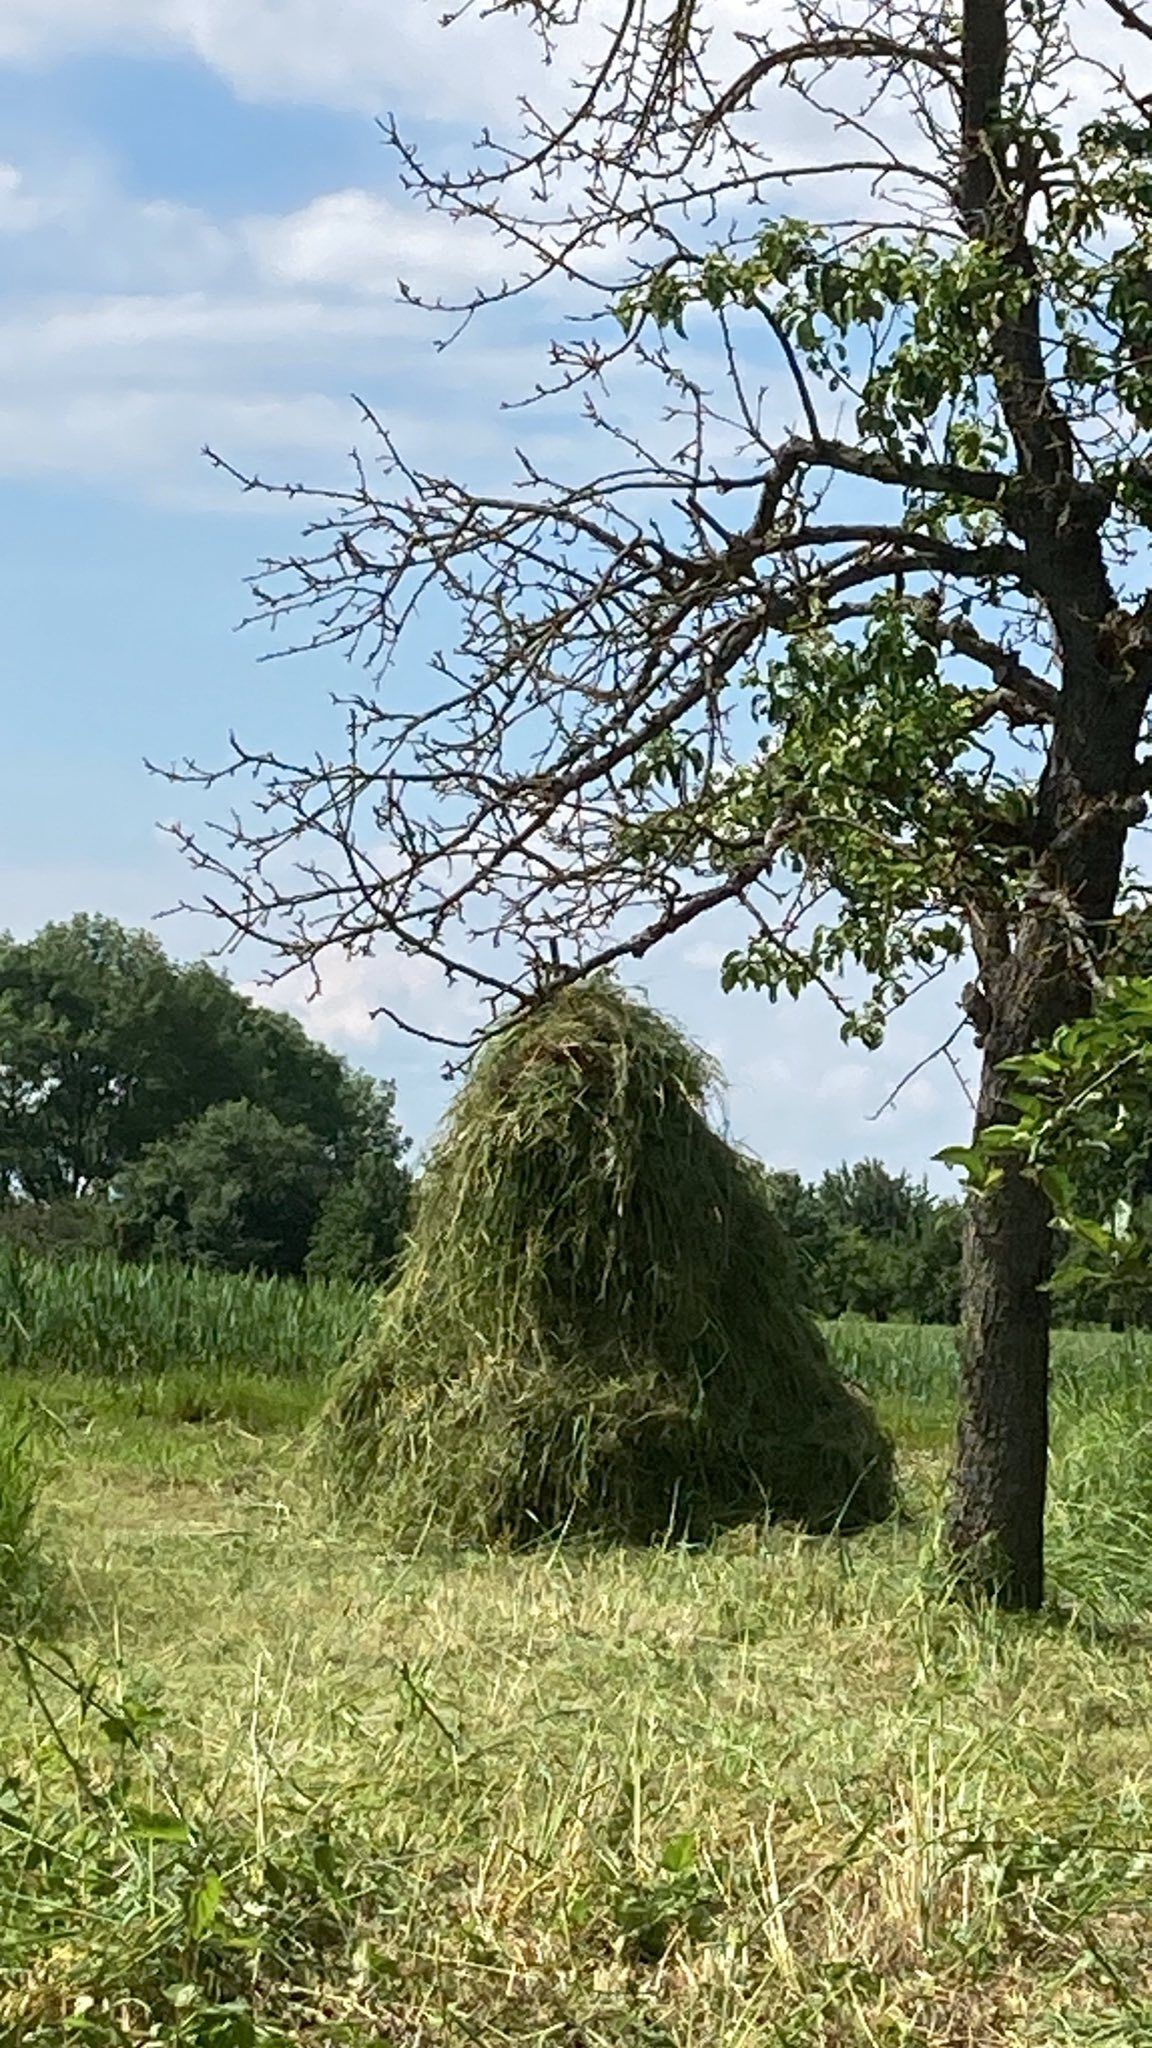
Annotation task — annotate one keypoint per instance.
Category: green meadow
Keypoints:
(263, 1783)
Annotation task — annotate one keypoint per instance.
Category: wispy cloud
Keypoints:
(22, 210)
(364, 243)
(356, 55)
(347, 1007)
(134, 331)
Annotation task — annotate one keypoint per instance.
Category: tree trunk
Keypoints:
(996, 1525)
(1035, 977)
(1032, 985)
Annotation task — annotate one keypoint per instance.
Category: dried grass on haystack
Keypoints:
(596, 1323)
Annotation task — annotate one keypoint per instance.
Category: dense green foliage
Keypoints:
(122, 1073)
(69, 1228)
(363, 1220)
(107, 1045)
(596, 1321)
(237, 1189)
(1082, 1127)
(872, 1243)
(877, 1244)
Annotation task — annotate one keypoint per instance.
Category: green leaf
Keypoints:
(1000, 1138)
(204, 1903)
(1057, 1185)
(969, 1159)
(579, 1909)
(1091, 1233)
(1031, 1107)
(130, 1721)
(150, 1824)
(1073, 1274)
(680, 1853)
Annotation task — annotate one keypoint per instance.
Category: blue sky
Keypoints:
(200, 235)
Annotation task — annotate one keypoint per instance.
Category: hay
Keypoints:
(595, 1325)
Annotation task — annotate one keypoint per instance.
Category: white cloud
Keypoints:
(377, 56)
(848, 1081)
(152, 440)
(360, 241)
(920, 1095)
(373, 56)
(21, 210)
(341, 1014)
(97, 237)
(705, 956)
(137, 331)
(346, 1009)
(344, 243)
(360, 55)
(124, 331)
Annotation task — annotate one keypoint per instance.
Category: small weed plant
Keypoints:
(24, 1571)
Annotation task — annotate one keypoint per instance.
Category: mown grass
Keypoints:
(268, 1785)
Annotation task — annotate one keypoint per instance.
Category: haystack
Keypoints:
(596, 1325)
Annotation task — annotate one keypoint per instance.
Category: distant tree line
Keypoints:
(152, 1109)
(878, 1244)
(873, 1243)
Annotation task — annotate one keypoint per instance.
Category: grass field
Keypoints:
(98, 1316)
(263, 1784)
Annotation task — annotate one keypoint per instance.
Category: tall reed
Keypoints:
(95, 1315)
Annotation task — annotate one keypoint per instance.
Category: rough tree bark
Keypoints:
(996, 1523)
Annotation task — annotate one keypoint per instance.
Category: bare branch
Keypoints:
(553, 749)
(1130, 17)
(827, 49)
(1022, 696)
(929, 1059)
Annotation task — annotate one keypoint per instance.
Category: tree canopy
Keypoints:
(111, 1055)
(86, 1055)
(361, 1226)
(872, 1243)
(237, 1189)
